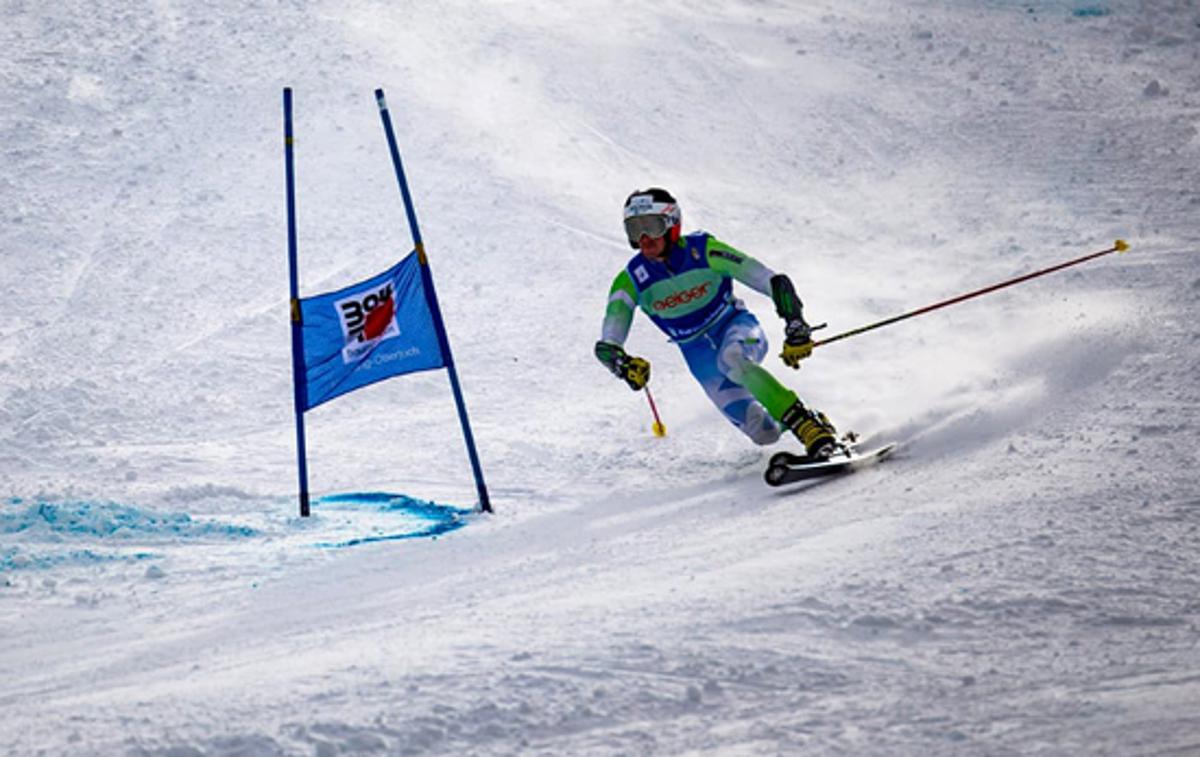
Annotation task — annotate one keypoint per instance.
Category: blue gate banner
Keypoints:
(367, 332)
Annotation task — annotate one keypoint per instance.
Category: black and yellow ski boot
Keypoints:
(813, 429)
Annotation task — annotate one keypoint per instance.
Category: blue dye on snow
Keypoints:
(78, 528)
(109, 520)
(69, 533)
(427, 519)
(1090, 11)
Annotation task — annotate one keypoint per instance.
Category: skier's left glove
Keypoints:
(797, 343)
(634, 371)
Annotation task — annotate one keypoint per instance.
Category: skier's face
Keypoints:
(652, 247)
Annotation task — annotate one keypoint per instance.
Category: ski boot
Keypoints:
(813, 429)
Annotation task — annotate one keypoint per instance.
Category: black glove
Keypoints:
(634, 371)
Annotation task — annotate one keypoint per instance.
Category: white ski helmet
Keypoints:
(652, 212)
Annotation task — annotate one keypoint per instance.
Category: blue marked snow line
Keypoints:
(109, 519)
(427, 519)
(52, 534)
(78, 528)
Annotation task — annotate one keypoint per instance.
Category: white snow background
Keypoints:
(1022, 577)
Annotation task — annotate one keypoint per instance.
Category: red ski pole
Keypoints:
(1119, 246)
(659, 429)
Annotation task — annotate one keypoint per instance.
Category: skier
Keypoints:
(684, 284)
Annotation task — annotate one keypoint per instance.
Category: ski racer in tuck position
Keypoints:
(684, 283)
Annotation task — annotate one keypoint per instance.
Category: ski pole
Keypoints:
(659, 429)
(1119, 246)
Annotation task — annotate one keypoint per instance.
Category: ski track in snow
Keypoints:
(1021, 577)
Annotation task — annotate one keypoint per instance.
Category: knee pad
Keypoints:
(733, 360)
(745, 344)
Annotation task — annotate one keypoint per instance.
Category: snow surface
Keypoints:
(1022, 577)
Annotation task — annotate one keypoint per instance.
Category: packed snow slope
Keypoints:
(1020, 578)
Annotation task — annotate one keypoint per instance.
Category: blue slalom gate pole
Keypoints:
(294, 281)
(435, 309)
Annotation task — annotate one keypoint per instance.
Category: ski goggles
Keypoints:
(652, 226)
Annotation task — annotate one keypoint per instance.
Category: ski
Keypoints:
(788, 468)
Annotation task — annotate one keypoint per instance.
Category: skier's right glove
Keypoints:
(797, 343)
(634, 371)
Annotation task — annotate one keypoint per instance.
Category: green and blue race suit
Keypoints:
(689, 296)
